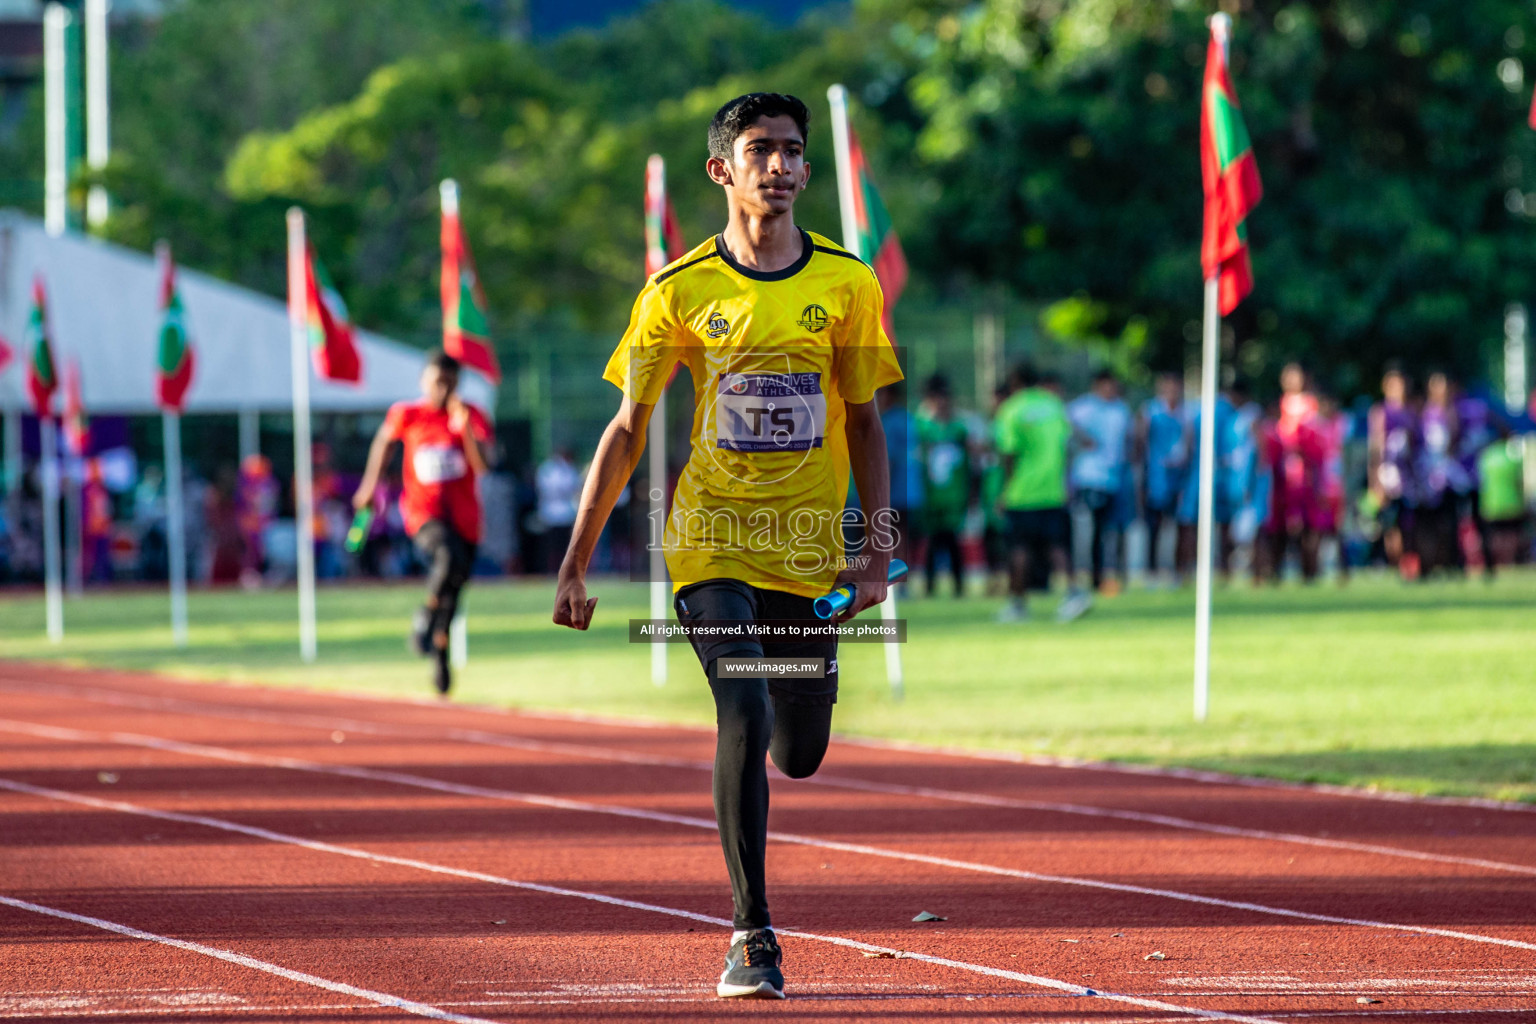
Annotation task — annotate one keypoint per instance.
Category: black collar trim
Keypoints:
(807, 249)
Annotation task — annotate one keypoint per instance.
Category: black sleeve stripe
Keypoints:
(848, 256)
(839, 252)
(663, 275)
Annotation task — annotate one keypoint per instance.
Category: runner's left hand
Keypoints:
(867, 591)
(458, 414)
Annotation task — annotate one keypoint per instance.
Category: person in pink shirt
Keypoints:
(256, 496)
(1293, 452)
(1332, 430)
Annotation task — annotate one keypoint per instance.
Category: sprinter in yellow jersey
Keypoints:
(780, 330)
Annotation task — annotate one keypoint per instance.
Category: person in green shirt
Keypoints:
(1501, 499)
(1032, 434)
(994, 532)
(944, 446)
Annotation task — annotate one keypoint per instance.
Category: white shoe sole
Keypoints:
(762, 990)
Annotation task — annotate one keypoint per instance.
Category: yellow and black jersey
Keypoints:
(775, 358)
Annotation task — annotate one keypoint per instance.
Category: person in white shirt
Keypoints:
(558, 483)
(1101, 422)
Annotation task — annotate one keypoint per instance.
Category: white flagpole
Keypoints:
(458, 640)
(175, 527)
(1210, 353)
(656, 432)
(458, 629)
(837, 98)
(53, 584)
(56, 21)
(303, 470)
(98, 136)
(656, 439)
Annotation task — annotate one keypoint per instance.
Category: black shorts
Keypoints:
(1038, 527)
(725, 600)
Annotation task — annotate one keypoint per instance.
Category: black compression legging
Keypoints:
(753, 723)
(450, 559)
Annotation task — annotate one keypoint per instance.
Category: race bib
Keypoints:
(438, 464)
(770, 412)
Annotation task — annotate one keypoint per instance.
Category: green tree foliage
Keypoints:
(1047, 148)
(1390, 136)
(189, 86)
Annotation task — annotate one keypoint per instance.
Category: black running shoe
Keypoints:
(752, 968)
(442, 676)
(421, 632)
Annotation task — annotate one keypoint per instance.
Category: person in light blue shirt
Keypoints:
(901, 445)
(1221, 490)
(1165, 447)
(1101, 421)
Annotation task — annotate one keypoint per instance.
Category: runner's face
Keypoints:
(767, 169)
(437, 387)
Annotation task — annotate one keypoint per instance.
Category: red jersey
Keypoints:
(439, 481)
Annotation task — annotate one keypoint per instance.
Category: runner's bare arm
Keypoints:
(872, 476)
(612, 464)
(474, 451)
(377, 452)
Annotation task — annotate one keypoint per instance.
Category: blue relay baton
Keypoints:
(840, 599)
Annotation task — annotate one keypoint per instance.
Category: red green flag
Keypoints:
(77, 426)
(174, 357)
(42, 380)
(466, 329)
(332, 341)
(663, 238)
(878, 243)
(1230, 177)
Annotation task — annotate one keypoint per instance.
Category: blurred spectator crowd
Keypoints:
(1429, 481)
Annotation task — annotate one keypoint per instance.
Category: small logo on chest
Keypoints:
(718, 326)
(814, 318)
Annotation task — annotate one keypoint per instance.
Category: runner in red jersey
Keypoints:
(444, 439)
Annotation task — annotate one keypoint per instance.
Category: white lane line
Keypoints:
(241, 960)
(173, 1011)
(493, 739)
(441, 869)
(1000, 756)
(561, 803)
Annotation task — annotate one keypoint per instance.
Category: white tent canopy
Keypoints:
(103, 309)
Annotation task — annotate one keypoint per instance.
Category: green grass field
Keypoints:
(1428, 688)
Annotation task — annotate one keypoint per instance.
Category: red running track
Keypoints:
(174, 851)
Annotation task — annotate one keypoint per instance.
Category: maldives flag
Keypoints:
(1230, 176)
(663, 238)
(77, 426)
(42, 380)
(466, 330)
(174, 358)
(332, 343)
(877, 239)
